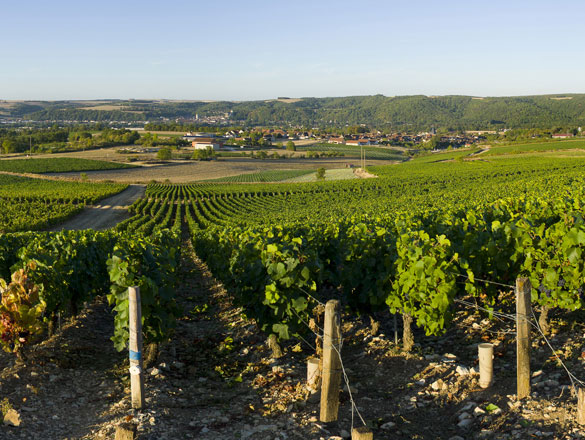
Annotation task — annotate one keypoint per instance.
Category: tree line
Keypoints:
(402, 113)
(59, 139)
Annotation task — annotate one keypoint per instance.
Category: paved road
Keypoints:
(108, 213)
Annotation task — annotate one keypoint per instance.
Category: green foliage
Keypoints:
(398, 242)
(290, 146)
(33, 204)
(71, 267)
(164, 154)
(56, 138)
(424, 285)
(5, 406)
(263, 176)
(321, 173)
(537, 147)
(149, 264)
(346, 113)
(203, 154)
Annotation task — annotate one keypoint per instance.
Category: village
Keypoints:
(278, 137)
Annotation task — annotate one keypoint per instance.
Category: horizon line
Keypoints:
(282, 98)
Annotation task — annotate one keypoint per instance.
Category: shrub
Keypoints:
(164, 154)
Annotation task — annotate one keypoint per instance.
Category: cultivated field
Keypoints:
(536, 147)
(424, 261)
(190, 171)
(182, 171)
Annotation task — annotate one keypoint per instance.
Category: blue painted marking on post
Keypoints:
(135, 355)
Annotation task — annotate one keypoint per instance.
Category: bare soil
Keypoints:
(360, 173)
(107, 214)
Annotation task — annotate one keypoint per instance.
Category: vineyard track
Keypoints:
(108, 213)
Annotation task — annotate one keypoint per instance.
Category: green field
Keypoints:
(398, 242)
(535, 147)
(372, 152)
(420, 241)
(445, 155)
(58, 165)
(33, 204)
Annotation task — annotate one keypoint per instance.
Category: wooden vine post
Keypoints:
(361, 433)
(331, 374)
(136, 373)
(523, 312)
(125, 431)
(581, 406)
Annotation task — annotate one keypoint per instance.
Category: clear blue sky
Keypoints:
(239, 50)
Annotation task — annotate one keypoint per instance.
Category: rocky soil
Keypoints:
(217, 379)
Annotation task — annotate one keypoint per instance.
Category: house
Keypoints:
(202, 143)
(358, 142)
(336, 140)
(190, 136)
(562, 135)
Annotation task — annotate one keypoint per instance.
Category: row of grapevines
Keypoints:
(72, 267)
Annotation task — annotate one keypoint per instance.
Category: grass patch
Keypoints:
(443, 156)
(535, 147)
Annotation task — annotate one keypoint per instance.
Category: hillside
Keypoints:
(402, 112)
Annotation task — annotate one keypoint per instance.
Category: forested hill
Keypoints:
(402, 113)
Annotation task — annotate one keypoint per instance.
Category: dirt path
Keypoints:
(481, 151)
(107, 214)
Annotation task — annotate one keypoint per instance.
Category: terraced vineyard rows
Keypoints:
(410, 242)
(33, 204)
(397, 243)
(263, 176)
(58, 165)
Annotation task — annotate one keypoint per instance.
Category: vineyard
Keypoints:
(398, 243)
(33, 204)
(536, 147)
(264, 176)
(415, 243)
(58, 165)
